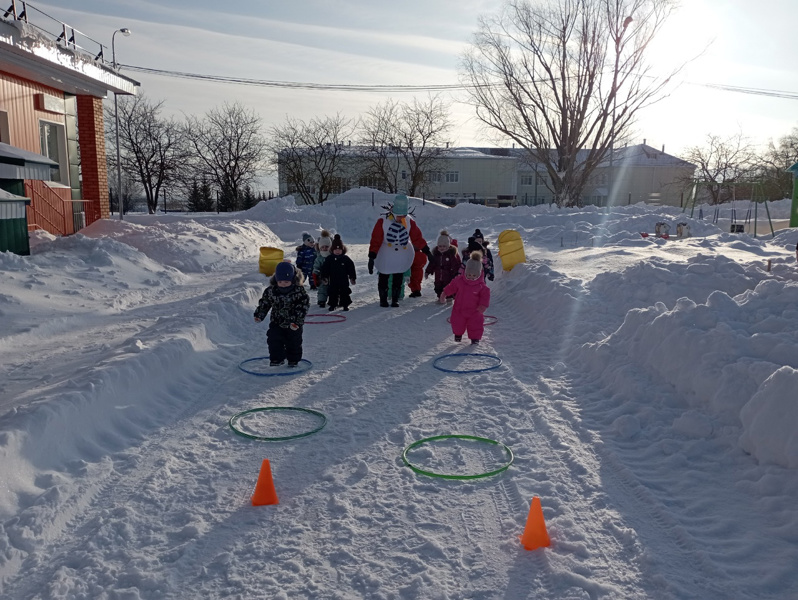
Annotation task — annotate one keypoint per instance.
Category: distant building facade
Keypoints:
(506, 177)
(52, 138)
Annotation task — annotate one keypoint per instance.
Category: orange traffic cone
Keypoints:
(535, 534)
(264, 489)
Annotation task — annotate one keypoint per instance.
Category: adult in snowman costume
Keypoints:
(394, 241)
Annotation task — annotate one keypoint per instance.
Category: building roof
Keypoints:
(16, 163)
(27, 52)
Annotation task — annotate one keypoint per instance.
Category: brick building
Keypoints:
(53, 79)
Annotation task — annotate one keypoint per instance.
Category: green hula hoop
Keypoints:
(236, 417)
(459, 437)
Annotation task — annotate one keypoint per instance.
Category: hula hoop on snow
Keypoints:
(295, 371)
(234, 419)
(504, 467)
(491, 356)
(335, 319)
(486, 323)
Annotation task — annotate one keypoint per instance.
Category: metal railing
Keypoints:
(67, 35)
(47, 207)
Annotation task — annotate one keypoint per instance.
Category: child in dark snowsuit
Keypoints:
(338, 272)
(444, 264)
(289, 302)
(471, 299)
(305, 255)
(480, 239)
(474, 246)
(323, 251)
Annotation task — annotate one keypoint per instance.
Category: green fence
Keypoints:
(14, 226)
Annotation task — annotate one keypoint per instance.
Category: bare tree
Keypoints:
(565, 79)
(311, 158)
(229, 148)
(378, 139)
(772, 166)
(723, 165)
(152, 149)
(406, 136)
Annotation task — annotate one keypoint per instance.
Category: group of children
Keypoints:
(331, 273)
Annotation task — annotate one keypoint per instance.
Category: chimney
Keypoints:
(644, 141)
(663, 148)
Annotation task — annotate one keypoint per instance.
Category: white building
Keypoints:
(505, 177)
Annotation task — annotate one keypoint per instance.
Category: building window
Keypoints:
(404, 174)
(452, 176)
(435, 177)
(527, 180)
(53, 142)
(4, 133)
(541, 179)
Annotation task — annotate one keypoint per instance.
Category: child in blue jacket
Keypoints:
(305, 256)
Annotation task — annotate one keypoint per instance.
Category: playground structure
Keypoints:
(736, 225)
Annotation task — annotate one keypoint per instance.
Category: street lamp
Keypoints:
(126, 32)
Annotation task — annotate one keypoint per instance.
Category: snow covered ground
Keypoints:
(647, 391)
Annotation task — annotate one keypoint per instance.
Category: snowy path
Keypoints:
(169, 516)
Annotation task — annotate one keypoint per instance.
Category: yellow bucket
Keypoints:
(511, 249)
(269, 257)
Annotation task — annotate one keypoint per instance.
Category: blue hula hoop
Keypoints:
(295, 371)
(491, 356)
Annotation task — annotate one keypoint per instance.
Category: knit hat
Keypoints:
(325, 241)
(478, 235)
(284, 271)
(306, 237)
(474, 264)
(473, 245)
(444, 239)
(337, 243)
(399, 207)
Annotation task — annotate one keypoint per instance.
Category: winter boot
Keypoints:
(415, 294)
(384, 298)
(474, 342)
(458, 338)
(395, 291)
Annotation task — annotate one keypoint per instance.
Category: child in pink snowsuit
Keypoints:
(471, 300)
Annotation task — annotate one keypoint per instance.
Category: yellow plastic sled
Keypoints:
(269, 257)
(511, 249)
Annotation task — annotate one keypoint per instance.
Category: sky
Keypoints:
(646, 390)
(727, 42)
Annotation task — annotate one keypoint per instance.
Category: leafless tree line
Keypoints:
(398, 146)
(223, 151)
(732, 168)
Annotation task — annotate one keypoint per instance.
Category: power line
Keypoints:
(295, 85)
(341, 87)
(755, 91)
